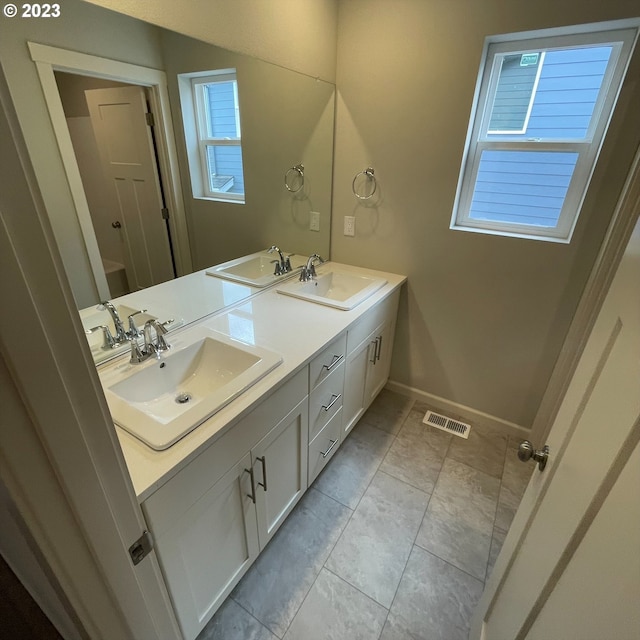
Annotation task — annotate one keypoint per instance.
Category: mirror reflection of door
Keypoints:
(115, 150)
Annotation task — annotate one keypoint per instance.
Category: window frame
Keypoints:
(192, 89)
(623, 41)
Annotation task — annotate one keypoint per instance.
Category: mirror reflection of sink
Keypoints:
(162, 400)
(334, 288)
(256, 269)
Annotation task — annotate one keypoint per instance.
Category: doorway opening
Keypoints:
(162, 184)
(115, 148)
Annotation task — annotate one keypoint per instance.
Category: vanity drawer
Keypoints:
(326, 400)
(324, 446)
(328, 361)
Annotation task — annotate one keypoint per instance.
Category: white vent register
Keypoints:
(447, 424)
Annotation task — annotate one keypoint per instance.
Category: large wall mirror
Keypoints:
(287, 120)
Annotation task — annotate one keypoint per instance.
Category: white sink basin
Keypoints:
(256, 270)
(334, 288)
(160, 401)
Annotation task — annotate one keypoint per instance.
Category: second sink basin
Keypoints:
(164, 399)
(256, 270)
(334, 288)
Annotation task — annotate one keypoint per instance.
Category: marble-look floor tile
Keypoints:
(388, 411)
(456, 542)
(277, 583)
(372, 551)
(232, 622)
(483, 450)
(459, 520)
(435, 601)
(417, 454)
(349, 472)
(334, 610)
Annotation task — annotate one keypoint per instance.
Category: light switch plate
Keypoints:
(314, 221)
(349, 225)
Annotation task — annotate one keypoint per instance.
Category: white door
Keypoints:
(570, 566)
(119, 121)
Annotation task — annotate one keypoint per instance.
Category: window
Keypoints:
(541, 113)
(211, 116)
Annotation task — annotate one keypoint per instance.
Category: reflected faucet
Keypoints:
(309, 271)
(121, 333)
(282, 266)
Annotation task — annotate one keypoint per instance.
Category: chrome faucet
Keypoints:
(121, 333)
(283, 265)
(309, 271)
(150, 348)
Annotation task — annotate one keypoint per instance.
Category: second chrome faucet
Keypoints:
(309, 271)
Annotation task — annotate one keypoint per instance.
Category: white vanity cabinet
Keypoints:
(211, 519)
(218, 507)
(369, 349)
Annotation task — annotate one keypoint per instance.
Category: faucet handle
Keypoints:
(137, 355)
(133, 330)
(109, 340)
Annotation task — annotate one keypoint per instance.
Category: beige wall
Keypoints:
(483, 317)
(297, 35)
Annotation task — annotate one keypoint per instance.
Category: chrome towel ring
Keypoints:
(369, 173)
(297, 170)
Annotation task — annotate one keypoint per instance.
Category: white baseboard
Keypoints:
(474, 417)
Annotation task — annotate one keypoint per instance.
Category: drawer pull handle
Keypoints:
(252, 495)
(334, 362)
(378, 347)
(328, 451)
(334, 399)
(263, 484)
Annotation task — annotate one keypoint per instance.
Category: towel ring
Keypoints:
(299, 170)
(370, 175)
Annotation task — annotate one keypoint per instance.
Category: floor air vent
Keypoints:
(447, 424)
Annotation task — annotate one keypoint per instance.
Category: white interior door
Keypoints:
(118, 118)
(570, 566)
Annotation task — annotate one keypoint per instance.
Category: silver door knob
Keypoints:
(526, 451)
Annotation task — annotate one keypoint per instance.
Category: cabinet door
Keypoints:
(353, 404)
(378, 363)
(280, 470)
(209, 549)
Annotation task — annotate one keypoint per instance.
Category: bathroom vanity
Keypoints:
(214, 498)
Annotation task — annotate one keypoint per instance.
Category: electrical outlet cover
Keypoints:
(349, 226)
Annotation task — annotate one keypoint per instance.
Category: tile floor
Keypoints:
(393, 541)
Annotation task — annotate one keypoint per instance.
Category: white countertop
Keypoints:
(294, 328)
